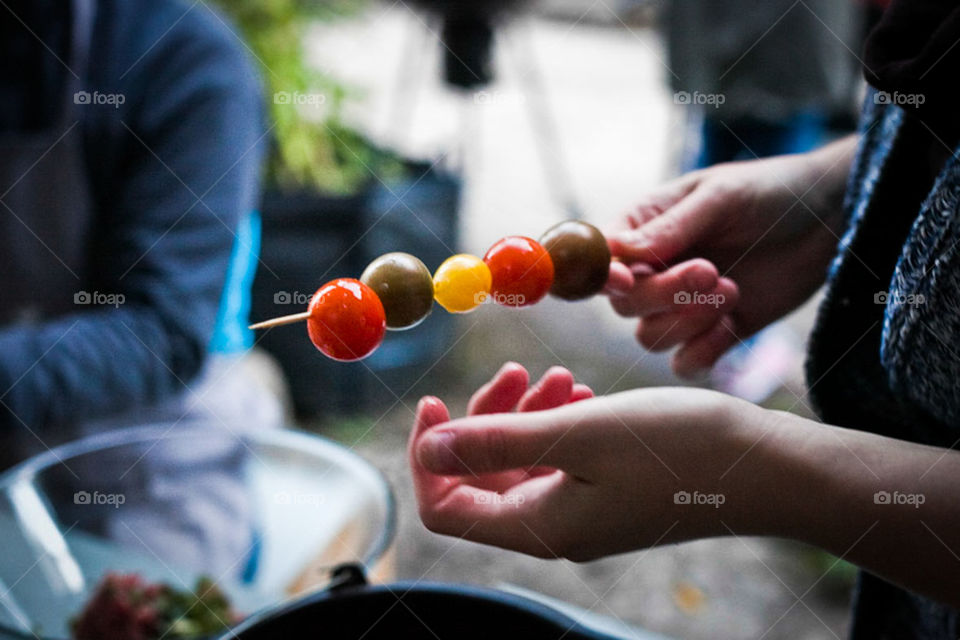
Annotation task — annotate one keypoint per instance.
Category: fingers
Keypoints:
(498, 442)
(499, 503)
(581, 392)
(664, 331)
(427, 486)
(658, 292)
(620, 280)
(701, 353)
(508, 390)
(430, 411)
(663, 237)
(553, 390)
(502, 393)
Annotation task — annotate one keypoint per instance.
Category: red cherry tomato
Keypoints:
(522, 271)
(347, 320)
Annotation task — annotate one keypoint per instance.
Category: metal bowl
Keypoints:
(265, 514)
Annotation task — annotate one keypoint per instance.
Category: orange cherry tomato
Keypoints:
(522, 271)
(347, 321)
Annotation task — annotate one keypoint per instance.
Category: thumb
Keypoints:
(671, 234)
(498, 442)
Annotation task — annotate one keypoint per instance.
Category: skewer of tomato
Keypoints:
(348, 318)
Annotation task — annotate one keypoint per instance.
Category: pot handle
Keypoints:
(346, 576)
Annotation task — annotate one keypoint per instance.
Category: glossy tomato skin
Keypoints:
(581, 259)
(462, 283)
(347, 321)
(405, 287)
(521, 270)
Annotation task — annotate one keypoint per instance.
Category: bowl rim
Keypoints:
(293, 437)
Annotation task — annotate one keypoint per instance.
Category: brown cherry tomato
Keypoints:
(405, 287)
(581, 259)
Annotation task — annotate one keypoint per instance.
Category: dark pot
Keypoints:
(353, 610)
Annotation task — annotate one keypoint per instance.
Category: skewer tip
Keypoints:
(282, 320)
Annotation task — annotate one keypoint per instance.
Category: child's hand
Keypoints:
(567, 478)
(585, 479)
(714, 256)
(507, 391)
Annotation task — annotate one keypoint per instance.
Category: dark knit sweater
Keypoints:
(884, 356)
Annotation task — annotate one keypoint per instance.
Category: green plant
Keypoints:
(326, 153)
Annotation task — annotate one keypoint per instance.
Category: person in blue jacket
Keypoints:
(132, 138)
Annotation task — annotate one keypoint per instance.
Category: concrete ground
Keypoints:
(618, 134)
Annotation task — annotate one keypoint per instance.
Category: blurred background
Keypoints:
(434, 128)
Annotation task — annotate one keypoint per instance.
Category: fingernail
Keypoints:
(424, 401)
(510, 364)
(435, 452)
(640, 269)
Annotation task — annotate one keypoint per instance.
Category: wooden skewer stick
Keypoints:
(282, 320)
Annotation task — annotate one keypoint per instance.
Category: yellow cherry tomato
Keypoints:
(462, 283)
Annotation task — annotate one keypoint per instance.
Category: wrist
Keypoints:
(803, 481)
(729, 474)
(774, 489)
